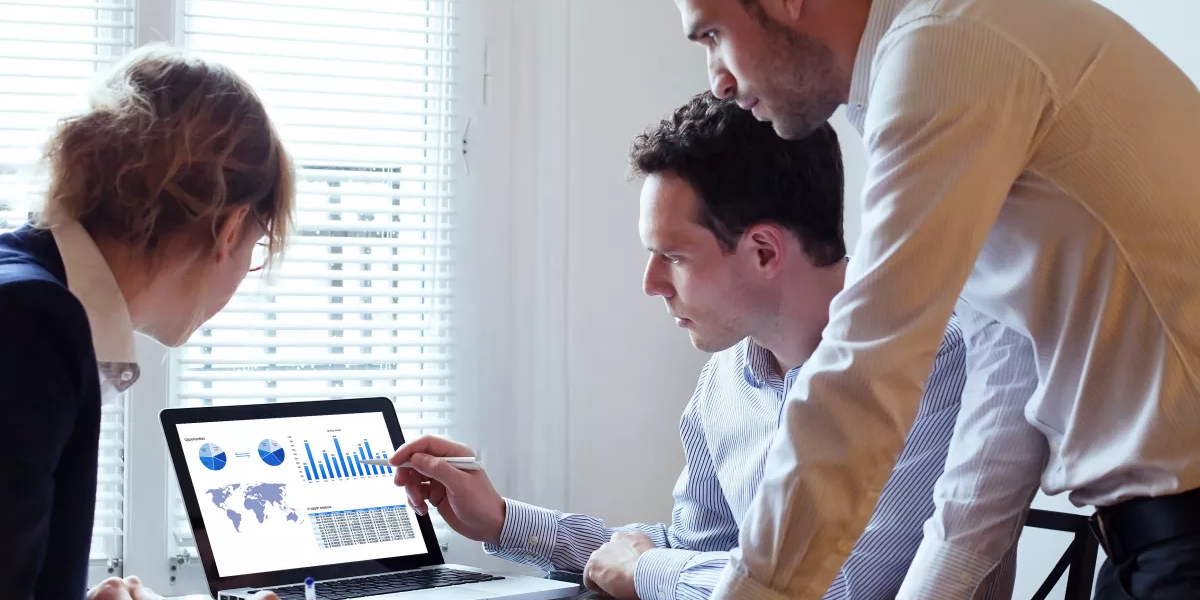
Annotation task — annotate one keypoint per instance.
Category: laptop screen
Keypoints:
(289, 493)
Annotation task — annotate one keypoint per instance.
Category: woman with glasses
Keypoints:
(159, 195)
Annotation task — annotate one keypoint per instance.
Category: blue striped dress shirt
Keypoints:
(726, 430)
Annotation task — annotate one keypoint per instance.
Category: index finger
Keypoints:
(431, 445)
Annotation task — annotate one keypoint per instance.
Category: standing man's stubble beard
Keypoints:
(803, 82)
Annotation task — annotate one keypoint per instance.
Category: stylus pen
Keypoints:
(310, 589)
(462, 463)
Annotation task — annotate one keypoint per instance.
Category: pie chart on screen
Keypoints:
(270, 452)
(212, 457)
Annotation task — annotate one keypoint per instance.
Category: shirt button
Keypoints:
(533, 540)
(530, 557)
(126, 375)
(964, 578)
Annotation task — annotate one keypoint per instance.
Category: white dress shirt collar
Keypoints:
(879, 20)
(758, 364)
(759, 367)
(91, 281)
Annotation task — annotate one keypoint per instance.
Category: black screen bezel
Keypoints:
(171, 417)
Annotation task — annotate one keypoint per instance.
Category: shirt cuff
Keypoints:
(528, 535)
(657, 573)
(942, 571)
(736, 583)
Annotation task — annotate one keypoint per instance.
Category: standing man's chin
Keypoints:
(800, 123)
(790, 130)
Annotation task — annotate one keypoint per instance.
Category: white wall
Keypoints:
(629, 369)
(1170, 24)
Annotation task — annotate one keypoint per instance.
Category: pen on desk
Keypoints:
(310, 589)
(462, 463)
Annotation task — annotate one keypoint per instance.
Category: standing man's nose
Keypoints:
(723, 85)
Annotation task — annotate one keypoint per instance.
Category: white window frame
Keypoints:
(528, 70)
(511, 250)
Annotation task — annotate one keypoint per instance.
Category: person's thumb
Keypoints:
(435, 467)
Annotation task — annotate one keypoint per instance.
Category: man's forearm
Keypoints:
(528, 536)
(555, 541)
(674, 574)
(993, 469)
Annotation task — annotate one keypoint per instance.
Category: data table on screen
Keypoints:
(338, 528)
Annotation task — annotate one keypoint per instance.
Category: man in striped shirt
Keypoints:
(744, 231)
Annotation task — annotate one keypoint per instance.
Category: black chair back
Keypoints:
(1080, 557)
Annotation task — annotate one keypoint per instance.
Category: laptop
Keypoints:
(276, 493)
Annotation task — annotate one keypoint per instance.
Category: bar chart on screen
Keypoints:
(334, 459)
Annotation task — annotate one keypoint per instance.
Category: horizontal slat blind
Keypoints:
(363, 94)
(50, 54)
(110, 493)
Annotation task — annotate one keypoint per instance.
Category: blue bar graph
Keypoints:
(381, 469)
(328, 467)
(311, 463)
(367, 444)
(341, 455)
(329, 461)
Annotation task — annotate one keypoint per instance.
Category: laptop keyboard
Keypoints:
(389, 583)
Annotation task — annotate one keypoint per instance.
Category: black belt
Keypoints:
(1126, 529)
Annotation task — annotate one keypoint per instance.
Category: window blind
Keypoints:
(50, 54)
(363, 94)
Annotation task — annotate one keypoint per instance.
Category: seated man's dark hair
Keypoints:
(745, 174)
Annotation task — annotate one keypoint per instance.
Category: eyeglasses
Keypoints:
(261, 255)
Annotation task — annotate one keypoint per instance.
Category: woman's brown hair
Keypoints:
(171, 143)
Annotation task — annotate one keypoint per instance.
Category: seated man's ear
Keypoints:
(768, 244)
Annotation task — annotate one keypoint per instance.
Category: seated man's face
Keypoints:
(713, 294)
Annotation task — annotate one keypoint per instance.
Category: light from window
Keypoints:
(363, 95)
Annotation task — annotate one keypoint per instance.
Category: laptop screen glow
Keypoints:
(288, 493)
